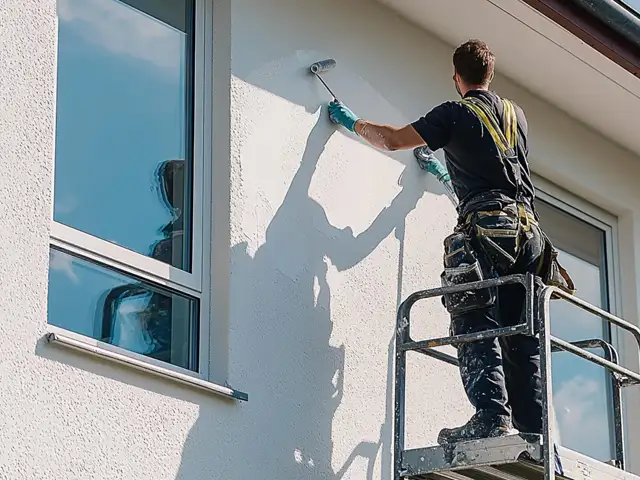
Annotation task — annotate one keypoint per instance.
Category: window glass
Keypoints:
(581, 390)
(634, 4)
(123, 137)
(104, 304)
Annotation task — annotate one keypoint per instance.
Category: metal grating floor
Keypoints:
(515, 457)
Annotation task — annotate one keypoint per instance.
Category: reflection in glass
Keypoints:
(99, 302)
(581, 390)
(123, 167)
(634, 4)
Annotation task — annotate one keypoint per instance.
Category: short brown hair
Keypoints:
(474, 62)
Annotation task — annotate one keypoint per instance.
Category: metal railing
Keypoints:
(536, 321)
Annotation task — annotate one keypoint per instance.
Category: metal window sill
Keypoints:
(73, 344)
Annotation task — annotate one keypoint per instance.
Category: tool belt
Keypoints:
(486, 244)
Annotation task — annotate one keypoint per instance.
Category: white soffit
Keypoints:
(541, 56)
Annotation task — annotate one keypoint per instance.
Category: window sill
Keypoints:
(97, 351)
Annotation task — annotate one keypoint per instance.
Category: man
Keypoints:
(491, 178)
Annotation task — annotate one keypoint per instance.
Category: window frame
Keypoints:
(591, 214)
(196, 283)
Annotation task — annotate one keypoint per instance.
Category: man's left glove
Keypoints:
(339, 113)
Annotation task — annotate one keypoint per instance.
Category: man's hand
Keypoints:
(340, 114)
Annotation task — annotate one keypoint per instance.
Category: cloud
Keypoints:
(66, 205)
(583, 423)
(123, 30)
(63, 263)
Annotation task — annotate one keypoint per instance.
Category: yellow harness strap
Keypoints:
(512, 123)
(504, 140)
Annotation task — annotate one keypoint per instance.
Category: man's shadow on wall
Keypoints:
(293, 373)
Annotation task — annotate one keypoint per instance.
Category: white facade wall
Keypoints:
(307, 271)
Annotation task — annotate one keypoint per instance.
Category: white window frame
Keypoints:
(196, 283)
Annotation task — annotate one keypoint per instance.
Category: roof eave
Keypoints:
(606, 25)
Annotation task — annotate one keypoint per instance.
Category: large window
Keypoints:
(581, 390)
(126, 253)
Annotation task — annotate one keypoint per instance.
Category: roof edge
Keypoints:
(605, 25)
(616, 15)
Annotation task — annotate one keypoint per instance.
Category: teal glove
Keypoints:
(340, 114)
(428, 161)
(434, 167)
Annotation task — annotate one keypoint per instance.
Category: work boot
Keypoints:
(481, 425)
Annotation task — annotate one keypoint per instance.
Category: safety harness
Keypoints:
(505, 137)
(506, 140)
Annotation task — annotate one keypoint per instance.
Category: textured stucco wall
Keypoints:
(326, 236)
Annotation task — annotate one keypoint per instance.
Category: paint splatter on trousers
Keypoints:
(502, 376)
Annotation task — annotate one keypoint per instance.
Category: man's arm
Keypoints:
(384, 137)
(387, 137)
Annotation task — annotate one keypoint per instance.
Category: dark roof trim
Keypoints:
(605, 25)
(615, 14)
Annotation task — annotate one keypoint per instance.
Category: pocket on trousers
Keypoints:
(498, 234)
(461, 266)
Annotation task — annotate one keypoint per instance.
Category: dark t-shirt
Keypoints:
(473, 161)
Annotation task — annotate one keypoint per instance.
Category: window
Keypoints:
(127, 239)
(634, 4)
(581, 390)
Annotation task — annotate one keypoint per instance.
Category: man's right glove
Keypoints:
(340, 114)
(429, 162)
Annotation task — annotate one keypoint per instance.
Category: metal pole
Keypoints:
(547, 398)
(443, 357)
(529, 286)
(463, 287)
(597, 359)
(608, 316)
(467, 337)
(617, 410)
(402, 336)
(617, 419)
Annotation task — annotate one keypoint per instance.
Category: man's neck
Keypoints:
(474, 88)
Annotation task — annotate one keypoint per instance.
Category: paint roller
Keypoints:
(424, 155)
(321, 67)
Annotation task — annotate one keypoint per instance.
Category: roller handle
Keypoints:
(327, 87)
(322, 66)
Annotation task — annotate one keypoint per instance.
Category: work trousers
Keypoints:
(502, 376)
